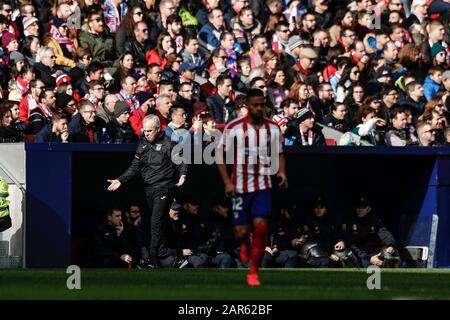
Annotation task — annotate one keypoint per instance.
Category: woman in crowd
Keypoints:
(164, 46)
(8, 131)
(277, 88)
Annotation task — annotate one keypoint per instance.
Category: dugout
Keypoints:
(66, 192)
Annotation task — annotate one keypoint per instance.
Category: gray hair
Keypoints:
(159, 100)
(83, 106)
(154, 119)
(110, 97)
(42, 52)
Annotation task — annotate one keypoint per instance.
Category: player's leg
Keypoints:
(260, 210)
(241, 221)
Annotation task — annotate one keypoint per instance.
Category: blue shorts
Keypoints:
(246, 206)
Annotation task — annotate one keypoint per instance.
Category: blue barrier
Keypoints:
(66, 191)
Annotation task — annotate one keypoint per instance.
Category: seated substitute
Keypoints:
(110, 245)
(282, 248)
(370, 240)
(324, 237)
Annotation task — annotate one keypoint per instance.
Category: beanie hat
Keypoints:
(16, 56)
(279, 119)
(294, 42)
(143, 96)
(437, 47)
(57, 22)
(7, 37)
(28, 21)
(120, 107)
(62, 100)
(63, 78)
(303, 114)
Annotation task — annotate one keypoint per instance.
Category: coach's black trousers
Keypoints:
(159, 202)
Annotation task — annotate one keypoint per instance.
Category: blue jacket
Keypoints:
(46, 135)
(430, 88)
(209, 37)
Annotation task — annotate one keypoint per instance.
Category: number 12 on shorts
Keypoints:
(237, 203)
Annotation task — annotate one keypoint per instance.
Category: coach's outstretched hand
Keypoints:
(181, 181)
(114, 185)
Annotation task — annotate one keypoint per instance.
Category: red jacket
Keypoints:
(25, 107)
(136, 119)
(153, 57)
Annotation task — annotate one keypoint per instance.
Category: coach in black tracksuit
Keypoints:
(160, 175)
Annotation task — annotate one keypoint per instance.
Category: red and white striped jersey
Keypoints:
(253, 153)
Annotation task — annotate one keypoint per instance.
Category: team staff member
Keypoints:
(249, 185)
(160, 174)
(371, 241)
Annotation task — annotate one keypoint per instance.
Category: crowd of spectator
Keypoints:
(89, 71)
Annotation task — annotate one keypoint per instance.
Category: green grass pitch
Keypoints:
(208, 284)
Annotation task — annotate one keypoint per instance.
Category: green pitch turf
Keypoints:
(224, 284)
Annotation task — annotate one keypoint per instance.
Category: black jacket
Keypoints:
(44, 73)
(368, 235)
(121, 133)
(153, 160)
(220, 237)
(217, 106)
(37, 120)
(139, 51)
(190, 232)
(332, 122)
(106, 243)
(9, 135)
(77, 129)
(323, 231)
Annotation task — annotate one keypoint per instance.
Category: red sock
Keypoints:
(258, 246)
(245, 251)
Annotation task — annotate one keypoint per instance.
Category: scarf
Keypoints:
(230, 62)
(54, 32)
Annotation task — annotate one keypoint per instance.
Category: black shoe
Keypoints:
(147, 264)
(181, 263)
